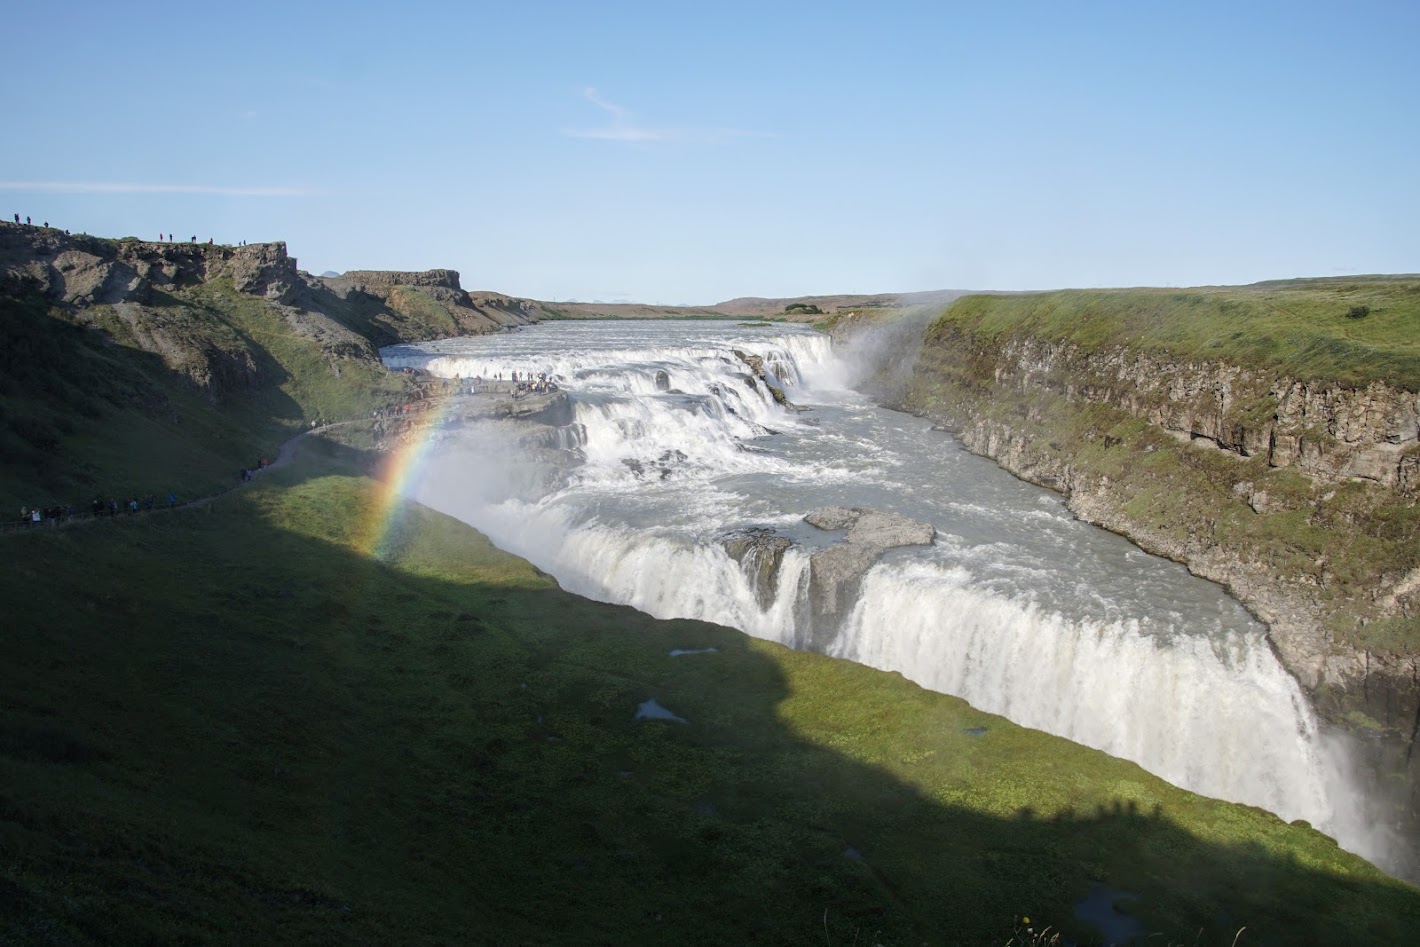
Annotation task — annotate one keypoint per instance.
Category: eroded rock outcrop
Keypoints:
(417, 306)
(757, 369)
(834, 572)
(1283, 490)
(760, 553)
(79, 270)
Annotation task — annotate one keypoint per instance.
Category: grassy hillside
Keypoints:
(1298, 327)
(86, 409)
(236, 725)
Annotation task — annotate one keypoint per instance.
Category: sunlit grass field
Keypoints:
(1308, 329)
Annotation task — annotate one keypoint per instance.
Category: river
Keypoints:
(1017, 606)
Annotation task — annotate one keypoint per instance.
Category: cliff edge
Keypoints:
(122, 360)
(1268, 437)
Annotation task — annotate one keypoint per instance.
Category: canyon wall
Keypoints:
(1298, 494)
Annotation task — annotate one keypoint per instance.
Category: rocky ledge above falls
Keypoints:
(835, 570)
(193, 304)
(77, 270)
(760, 376)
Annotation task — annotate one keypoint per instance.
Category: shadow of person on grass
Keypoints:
(240, 725)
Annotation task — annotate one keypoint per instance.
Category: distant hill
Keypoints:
(804, 308)
(763, 307)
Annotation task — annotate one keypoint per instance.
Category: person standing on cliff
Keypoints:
(17, 218)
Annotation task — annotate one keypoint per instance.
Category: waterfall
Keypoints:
(1017, 608)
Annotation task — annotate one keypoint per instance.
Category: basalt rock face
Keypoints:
(1284, 490)
(79, 271)
(177, 301)
(759, 552)
(835, 571)
(429, 279)
(1328, 432)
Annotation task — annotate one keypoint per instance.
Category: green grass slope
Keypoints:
(86, 409)
(1297, 327)
(236, 725)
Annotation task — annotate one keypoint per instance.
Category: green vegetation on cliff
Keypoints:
(1265, 435)
(1300, 327)
(238, 725)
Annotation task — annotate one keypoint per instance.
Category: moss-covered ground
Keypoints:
(239, 725)
(1306, 329)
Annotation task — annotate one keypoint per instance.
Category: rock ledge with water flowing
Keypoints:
(870, 533)
(759, 551)
(756, 367)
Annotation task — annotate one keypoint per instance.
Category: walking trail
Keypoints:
(284, 455)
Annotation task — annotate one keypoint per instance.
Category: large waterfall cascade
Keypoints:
(1017, 607)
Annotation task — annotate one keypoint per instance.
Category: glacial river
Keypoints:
(1017, 607)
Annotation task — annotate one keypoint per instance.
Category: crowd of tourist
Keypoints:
(57, 515)
(422, 397)
(162, 237)
(99, 508)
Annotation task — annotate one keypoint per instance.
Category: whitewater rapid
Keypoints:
(1017, 607)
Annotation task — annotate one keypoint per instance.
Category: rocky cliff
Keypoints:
(80, 271)
(1297, 492)
(175, 301)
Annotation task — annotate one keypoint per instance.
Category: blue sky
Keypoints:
(683, 153)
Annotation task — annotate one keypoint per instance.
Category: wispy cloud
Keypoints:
(624, 127)
(134, 187)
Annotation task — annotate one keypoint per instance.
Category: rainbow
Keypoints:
(397, 473)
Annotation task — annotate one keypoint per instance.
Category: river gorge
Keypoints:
(676, 476)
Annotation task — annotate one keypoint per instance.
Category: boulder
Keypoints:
(759, 552)
(834, 572)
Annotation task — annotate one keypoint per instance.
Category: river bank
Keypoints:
(1291, 490)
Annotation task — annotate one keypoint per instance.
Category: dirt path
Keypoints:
(284, 454)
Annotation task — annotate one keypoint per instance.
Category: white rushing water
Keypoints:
(1017, 607)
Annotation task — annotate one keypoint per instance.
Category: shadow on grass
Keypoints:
(80, 413)
(236, 725)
